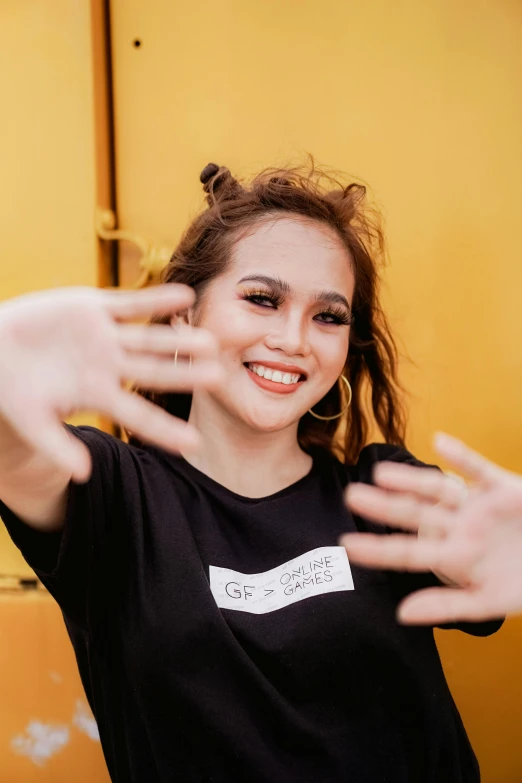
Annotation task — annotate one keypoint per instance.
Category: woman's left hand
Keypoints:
(471, 539)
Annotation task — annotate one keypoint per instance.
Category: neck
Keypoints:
(246, 461)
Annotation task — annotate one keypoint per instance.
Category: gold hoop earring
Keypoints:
(176, 358)
(337, 415)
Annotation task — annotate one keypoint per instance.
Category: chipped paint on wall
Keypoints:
(83, 719)
(40, 741)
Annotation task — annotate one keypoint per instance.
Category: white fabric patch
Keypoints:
(322, 570)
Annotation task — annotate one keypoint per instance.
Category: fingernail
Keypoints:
(403, 616)
(443, 439)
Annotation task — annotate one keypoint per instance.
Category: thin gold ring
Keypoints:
(176, 358)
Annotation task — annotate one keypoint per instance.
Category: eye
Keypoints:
(263, 299)
(333, 316)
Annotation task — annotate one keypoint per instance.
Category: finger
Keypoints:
(430, 484)
(165, 375)
(151, 423)
(156, 300)
(397, 509)
(465, 460)
(396, 552)
(156, 338)
(438, 605)
(80, 461)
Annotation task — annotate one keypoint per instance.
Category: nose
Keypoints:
(291, 336)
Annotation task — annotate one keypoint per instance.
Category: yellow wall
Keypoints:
(49, 145)
(46, 147)
(420, 99)
(42, 696)
(49, 150)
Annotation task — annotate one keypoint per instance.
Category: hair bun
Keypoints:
(219, 184)
(210, 170)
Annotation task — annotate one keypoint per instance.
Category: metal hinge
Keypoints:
(11, 583)
(154, 258)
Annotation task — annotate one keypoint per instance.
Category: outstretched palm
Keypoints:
(69, 350)
(475, 541)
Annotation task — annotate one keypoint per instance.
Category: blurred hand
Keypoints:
(473, 539)
(69, 350)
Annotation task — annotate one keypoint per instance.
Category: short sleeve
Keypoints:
(73, 560)
(406, 583)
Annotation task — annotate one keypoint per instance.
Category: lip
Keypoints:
(292, 368)
(272, 386)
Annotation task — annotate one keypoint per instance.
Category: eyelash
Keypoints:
(337, 313)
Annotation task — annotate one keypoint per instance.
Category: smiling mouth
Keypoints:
(274, 380)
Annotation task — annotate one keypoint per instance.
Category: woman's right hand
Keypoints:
(69, 350)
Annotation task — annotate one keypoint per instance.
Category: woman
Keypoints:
(220, 632)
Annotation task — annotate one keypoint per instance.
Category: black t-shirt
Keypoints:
(227, 639)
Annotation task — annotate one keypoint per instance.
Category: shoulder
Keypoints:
(380, 452)
(92, 436)
(110, 454)
(104, 447)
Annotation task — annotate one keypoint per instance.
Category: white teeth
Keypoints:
(274, 375)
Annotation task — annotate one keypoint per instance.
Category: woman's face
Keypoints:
(281, 313)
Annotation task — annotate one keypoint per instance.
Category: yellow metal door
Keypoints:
(54, 157)
(421, 100)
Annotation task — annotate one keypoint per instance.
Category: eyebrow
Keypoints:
(332, 297)
(273, 282)
(281, 287)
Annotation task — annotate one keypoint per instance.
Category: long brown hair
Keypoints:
(371, 365)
